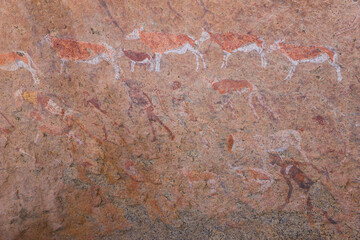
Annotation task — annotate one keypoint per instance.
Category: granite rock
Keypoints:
(167, 119)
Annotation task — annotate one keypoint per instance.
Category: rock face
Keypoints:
(179, 119)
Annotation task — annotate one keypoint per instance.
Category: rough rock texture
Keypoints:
(265, 146)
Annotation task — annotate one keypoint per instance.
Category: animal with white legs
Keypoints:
(137, 57)
(85, 52)
(249, 174)
(235, 42)
(307, 54)
(227, 86)
(277, 142)
(163, 44)
(19, 59)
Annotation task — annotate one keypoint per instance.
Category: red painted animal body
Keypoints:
(19, 59)
(78, 51)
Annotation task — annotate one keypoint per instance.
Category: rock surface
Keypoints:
(105, 136)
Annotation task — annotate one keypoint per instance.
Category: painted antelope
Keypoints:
(196, 178)
(228, 86)
(19, 59)
(163, 43)
(277, 142)
(77, 51)
(137, 57)
(235, 42)
(257, 175)
(307, 54)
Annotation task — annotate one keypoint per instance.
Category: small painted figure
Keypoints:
(137, 57)
(143, 101)
(290, 171)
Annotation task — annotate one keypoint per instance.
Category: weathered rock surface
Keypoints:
(105, 136)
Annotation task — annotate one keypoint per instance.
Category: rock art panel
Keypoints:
(148, 133)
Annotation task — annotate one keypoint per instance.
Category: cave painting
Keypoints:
(85, 52)
(277, 142)
(250, 174)
(163, 44)
(304, 54)
(137, 57)
(9, 126)
(19, 59)
(290, 171)
(51, 104)
(235, 42)
(143, 101)
(228, 86)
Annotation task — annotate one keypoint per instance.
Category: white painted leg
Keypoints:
(151, 65)
(197, 60)
(63, 64)
(157, 62)
(132, 66)
(37, 137)
(31, 70)
(225, 59)
(252, 106)
(263, 59)
(291, 72)
(197, 52)
(338, 70)
(117, 68)
(116, 71)
(302, 153)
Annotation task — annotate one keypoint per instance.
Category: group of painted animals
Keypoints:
(162, 44)
(165, 43)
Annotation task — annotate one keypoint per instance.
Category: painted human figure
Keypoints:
(50, 104)
(138, 97)
(291, 172)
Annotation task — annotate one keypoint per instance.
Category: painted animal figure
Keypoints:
(137, 57)
(257, 175)
(277, 142)
(303, 54)
(235, 42)
(77, 51)
(290, 171)
(19, 59)
(163, 43)
(53, 105)
(196, 178)
(228, 86)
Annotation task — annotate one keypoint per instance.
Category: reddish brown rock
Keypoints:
(230, 150)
